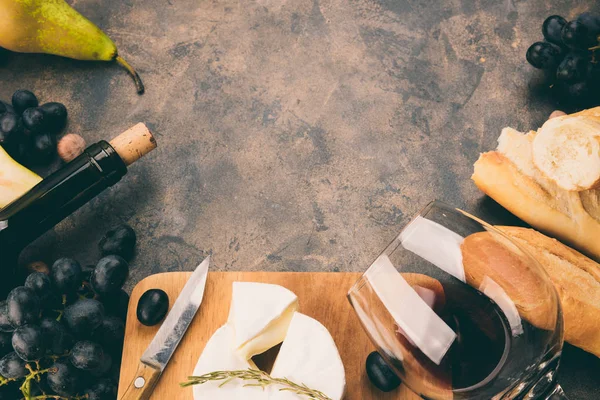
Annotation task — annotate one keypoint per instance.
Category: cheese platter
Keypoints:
(321, 296)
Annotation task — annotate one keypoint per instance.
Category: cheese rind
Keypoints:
(260, 314)
(309, 356)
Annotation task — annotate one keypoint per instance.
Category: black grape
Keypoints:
(117, 304)
(552, 29)
(152, 307)
(66, 275)
(12, 366)
(83, 316)
(102, 390)
(104, 368)
(33, 119)
(5, 325)
(578, 91)
(5, 343)
(56, 117)
(87, 355)
(23, 99)
(573, 68)
(110, 333)
(380, 374)
(40, 283)
(23, 306)
(544, 55)
(109, 275)
(592, 24)
(29, 343)
(576, 35)
(58, 339)
(64, 379)
(120, 241)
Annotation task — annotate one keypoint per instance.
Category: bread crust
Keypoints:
(522, 195)
(576, 279)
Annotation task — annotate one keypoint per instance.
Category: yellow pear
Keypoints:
(15, 179)
(54, 27)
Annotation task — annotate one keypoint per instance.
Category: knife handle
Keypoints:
(142, 386)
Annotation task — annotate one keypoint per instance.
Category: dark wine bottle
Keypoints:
(100, 166)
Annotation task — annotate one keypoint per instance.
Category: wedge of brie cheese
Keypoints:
(309, 356)
(219, 355)
(260, 314)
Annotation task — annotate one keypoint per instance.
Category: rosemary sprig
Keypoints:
(260, 378)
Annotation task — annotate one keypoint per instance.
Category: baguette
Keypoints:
(576, 279)
(509, 176)
(567, 150)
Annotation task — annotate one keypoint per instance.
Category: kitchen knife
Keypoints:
(157, 355)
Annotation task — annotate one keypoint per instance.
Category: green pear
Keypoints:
(54, 27)
(15, 179)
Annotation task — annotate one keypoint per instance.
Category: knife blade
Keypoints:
(159, 352)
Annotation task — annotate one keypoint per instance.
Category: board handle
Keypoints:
(142, 385)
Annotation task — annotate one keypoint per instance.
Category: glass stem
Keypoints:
(556, 393)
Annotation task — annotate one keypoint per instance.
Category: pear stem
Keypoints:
(139, 85)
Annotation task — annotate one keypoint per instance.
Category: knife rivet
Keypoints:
(139, 382)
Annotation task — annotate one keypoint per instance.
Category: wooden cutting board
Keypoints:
(321, 296)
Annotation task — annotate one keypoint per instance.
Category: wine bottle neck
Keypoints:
(59, 195)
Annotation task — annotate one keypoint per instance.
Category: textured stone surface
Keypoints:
(295, 135)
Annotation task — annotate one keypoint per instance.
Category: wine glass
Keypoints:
(460, 311)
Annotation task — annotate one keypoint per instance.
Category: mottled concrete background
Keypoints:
(295, 135)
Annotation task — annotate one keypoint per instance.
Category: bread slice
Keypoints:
(567, 150)
(576, 279)
(510, 177)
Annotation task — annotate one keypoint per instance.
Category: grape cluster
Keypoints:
(569, 56)
(61, 333)
(28, 131)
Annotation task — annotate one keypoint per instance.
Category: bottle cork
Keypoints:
(134, 143)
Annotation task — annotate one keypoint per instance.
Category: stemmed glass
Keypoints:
(459, 311)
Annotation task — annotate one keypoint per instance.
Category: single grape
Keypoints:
(5, 325)
(109, 275)
(64, 379)
(380, 374)
(34, 119)
(29, 343)
(117, 304)
(592, 24)
(66, 275)
(83, 316)
(104, 389)
(43, 148)
(23, 99)
(576, 35)
(23, 306)
(152, 307)
(573, 68)
(40, 283)
(120, 241)
(12, 366)
(87, 355)
(56, 117)
(578, 91)
(110, 334)
(11, 128)
(5, 343)
(552, 29)
(544, 55)
(58, 339)
(104, 368)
